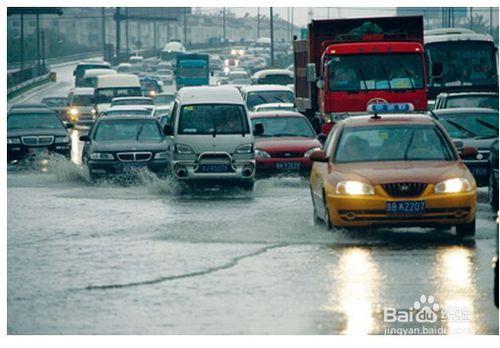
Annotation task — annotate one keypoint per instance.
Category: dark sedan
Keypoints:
(121, 145)
(31, 132)
(474, 127)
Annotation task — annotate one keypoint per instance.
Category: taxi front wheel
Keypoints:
(467, 230)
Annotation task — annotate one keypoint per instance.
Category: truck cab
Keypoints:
(347, 64)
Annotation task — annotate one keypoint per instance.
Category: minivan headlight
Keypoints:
(183, 149)
(101, 156)
(354, 188)
(73, 112)
(245, 148)
(454, 185)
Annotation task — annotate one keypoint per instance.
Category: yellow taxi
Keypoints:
(399, 169)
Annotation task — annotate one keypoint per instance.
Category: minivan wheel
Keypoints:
(466, 230)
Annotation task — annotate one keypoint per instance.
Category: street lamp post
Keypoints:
(271, 28)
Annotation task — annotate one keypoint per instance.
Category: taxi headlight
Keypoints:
(261, 154)
(13, 141)
(73, 112)
(183, 149)
(59, 140)
(354, 188)
(310, 151)
(162, 155)
(245, 148)
(101, 156)
(455, 185)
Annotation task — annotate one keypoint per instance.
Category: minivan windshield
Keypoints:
(213, 119)
(82, 100)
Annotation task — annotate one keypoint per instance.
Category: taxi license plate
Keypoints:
(405, 207)
(214, 168)
(288, 165)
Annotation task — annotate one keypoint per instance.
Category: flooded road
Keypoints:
(141, 258)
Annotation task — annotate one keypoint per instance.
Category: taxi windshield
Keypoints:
(393, 143)
(375, 72)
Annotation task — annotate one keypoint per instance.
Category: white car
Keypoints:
(126, 110)
(264, 94)
(144, 102)
(275, 106)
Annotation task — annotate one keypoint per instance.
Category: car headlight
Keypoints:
(94, 111)
(59, 140)
(453, 186)
(245, 148)
(183, 149)
(310, 151)
(13, 141)
(73, 112)
(354, 188)
(152, 93)
(162, 155)
(261, 154)
(101, 156)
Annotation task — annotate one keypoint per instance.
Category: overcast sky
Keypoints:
(301, 13)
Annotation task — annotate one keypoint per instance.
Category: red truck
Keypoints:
(346, 64)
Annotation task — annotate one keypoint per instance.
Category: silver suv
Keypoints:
(211, 139)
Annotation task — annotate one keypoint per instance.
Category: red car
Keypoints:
(286, 144)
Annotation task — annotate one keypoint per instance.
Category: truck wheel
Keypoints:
(466, 230)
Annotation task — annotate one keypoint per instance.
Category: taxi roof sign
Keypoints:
(388, 108)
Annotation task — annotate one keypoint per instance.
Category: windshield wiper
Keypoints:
(486, 124)
(407, 74)
(139, 132)
(362, 76)
(461, 128)
(410, 142)
(386, 74)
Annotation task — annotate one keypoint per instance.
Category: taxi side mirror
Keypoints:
(318, 156)
(258, 129)
(468, 151)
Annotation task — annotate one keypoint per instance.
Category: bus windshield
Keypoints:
(466, 63)
(365, 72)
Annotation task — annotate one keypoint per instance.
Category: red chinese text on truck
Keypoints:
(346, 64)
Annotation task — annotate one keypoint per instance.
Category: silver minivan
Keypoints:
(211, 139)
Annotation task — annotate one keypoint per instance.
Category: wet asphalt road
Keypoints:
(140, 258)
